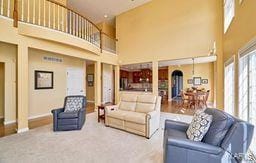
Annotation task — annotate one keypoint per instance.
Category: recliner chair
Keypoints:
(226, 138)
(70, 120)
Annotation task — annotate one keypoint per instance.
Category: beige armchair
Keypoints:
(139, 114)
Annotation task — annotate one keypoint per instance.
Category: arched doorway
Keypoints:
(177, 82)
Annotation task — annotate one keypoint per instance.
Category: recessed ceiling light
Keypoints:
(105, 16)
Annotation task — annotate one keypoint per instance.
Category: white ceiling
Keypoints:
(96, 9)
(187, 61)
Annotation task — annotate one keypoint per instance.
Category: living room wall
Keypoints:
(41, 102)
(165, 30)
(8, 54)
(177, 29)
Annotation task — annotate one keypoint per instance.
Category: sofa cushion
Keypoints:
(144, 107)
(221, 123)
(127, 106)
(151, 99)
(119, 114)
(135, 117)
(67, 115)
(129, 97)
(199, 126)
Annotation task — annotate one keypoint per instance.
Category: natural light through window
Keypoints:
(247, 90)
(229, 87)
(229, 13)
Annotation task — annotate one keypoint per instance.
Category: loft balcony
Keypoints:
(49, 14)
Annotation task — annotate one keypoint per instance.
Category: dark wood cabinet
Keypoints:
(163, 74)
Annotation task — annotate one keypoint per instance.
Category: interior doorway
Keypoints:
(107, 83)
(75, 81)
(177, 83)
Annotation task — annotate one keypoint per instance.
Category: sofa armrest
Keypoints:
(193, 145)
(181, 126)
(152, 114)
(111, 108)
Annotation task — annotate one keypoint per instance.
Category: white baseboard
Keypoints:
(9, 122)
(39, 116)
(22, 130)
(29, 118)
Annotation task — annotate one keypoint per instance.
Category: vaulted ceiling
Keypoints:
(104, 10)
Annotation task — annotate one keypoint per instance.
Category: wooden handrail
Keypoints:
(70, 9)
(111, 37)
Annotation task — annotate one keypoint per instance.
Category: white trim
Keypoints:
(247, 48)
(39, 116)
(22, 130)
(9, 122)
(29, 118)
(230, 61)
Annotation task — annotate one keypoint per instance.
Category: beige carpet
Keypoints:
(95, 143)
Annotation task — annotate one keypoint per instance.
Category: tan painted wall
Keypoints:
(242, 28)
(165, 29)
(90, 94)
(43, 101)
(8, 54)
(204, 70)
(239, 33)
(1, 90)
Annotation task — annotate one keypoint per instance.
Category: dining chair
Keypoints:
(184, 100)
(204, 100)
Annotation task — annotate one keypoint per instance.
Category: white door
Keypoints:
(107, 83)
(75, 81)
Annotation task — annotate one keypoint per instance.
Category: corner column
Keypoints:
(97, 83)
(155, 78)
(22, 88)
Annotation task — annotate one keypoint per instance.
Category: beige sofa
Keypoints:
(139, 114)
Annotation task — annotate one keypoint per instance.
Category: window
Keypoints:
(247, 88)
(229, 13)
(229, 87)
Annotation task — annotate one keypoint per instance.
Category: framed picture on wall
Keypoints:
(190, 81)
(197, 80)
(204, 81)
(43, 79)
(90, 80)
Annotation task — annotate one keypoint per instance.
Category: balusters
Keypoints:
(58, 16)
(34, 11)
(2, 7)
(8, 8)
(44, 12)
(22, 10)
(54, 16)
(62, 21)
(49, 16)
(28, 12)
(39, 12)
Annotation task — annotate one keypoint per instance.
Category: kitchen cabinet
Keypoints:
(163, 74)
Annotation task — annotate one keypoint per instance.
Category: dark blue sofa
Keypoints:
(227, 138)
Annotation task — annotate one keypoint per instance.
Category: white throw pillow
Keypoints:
(199, 126)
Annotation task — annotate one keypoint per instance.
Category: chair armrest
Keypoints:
(181, 126)
(57, 111)
(195, 146)
(111, 108)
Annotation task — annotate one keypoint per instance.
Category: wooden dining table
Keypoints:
(194, 98)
